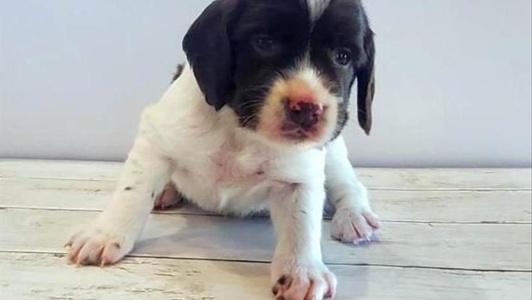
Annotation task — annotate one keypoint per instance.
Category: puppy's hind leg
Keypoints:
(112, 235)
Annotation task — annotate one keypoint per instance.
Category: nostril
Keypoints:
(296, 106)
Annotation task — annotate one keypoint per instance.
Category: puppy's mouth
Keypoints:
(299, 134)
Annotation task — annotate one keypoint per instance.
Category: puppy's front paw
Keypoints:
(303, 281)
(351, 225)
(94, 246)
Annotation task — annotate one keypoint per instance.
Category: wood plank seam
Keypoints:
(371, 188)
(244, 261)
(208, 214)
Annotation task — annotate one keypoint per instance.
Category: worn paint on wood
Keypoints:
(485, 247)
(374, 178)
(28, 276)
(398, 206)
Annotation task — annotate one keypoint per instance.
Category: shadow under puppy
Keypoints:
(254, 122)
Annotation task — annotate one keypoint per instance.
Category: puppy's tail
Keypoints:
(178, 72)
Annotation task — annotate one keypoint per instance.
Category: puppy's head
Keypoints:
(286, 67)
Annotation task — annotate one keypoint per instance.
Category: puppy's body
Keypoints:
(210, 150)
(256, 128)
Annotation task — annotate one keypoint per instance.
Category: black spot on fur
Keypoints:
(178, 72)
(275, 290)
(128, 188)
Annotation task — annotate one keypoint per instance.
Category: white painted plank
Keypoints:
(375, 178)
(447, 179)
(404, 206)
(27, 276)
(60, 169)
(476, 247)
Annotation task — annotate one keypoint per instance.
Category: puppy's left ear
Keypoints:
(208, 48)
(366, 83)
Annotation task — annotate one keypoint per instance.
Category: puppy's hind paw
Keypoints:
(168, 198)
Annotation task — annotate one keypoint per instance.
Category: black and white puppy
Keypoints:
(253, 123)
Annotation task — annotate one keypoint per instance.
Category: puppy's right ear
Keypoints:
(208, 48)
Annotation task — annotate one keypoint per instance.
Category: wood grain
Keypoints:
(475, 247)
(28, 276)
(400, 206)
(374, 178)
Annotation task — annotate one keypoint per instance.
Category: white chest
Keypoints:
(233, 164)
(233, 177)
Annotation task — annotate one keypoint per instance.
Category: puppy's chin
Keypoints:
(298, 111)
(285, 134)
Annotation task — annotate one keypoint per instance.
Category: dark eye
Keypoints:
(343, 57)
(264, 43)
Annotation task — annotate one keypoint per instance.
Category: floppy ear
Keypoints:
(366, 83)
(208, 49)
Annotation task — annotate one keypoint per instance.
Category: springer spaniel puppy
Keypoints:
(253, 122)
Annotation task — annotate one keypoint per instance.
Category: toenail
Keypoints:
(275, 290)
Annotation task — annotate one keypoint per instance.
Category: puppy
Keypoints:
(253, 122)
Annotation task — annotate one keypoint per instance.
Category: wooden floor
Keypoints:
(448, 234)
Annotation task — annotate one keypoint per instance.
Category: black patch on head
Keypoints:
(282, 23)
(343, 27)
(237, 48)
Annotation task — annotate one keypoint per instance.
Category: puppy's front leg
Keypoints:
(112, 235)
(353, 221)
(298, 271)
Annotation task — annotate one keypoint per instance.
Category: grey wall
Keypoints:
(453, 78)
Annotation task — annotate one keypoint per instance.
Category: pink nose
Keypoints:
(304, 112)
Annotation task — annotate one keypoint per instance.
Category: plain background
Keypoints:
(454, 79)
